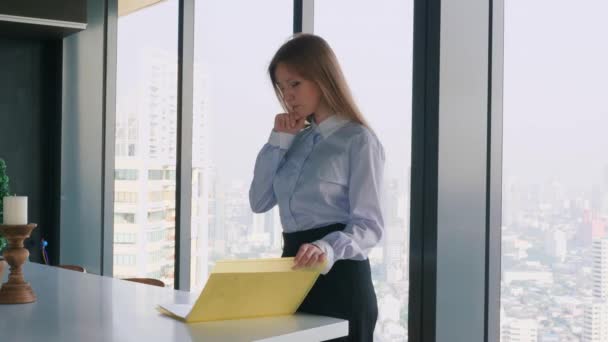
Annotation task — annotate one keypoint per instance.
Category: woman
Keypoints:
(323, 166)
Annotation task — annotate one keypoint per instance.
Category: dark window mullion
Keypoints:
(423, 215)
(183, 193)
(298, 7)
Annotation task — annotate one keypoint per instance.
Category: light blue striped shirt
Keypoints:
(327, 173)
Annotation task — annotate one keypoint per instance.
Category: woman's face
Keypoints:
(301, 96)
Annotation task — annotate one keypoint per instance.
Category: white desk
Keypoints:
(74, 306)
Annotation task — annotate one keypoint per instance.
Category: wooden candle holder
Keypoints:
(16, 290)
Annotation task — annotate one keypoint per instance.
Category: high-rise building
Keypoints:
(595, 322)
(599, 269)
(259, 224)
(217, 232)
(201, 216)
(556, 244)
(269, 221)
(146, 141)
(519, 330)
(395, 239)
(592, 227)
(276, 229)
(394, 247)
(258, 234)
(596, 198)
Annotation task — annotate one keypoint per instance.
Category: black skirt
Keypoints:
(345, 292)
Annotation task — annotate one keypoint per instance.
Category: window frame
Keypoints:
(438, 27)
(441, 300)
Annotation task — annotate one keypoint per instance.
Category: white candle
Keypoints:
(15, 210)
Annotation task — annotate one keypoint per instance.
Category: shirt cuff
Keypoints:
(329, 255)
(281, 139)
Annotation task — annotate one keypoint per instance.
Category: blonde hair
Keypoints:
(312, 58)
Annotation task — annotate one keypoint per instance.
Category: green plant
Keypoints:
(4, 191)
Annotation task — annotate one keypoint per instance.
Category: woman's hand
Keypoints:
(308, 255)
(289, 123)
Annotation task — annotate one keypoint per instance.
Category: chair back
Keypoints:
(149, 281)
(73, 268)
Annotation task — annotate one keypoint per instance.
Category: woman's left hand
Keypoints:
(308, 255)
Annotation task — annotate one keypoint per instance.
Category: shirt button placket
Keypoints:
(310, 144)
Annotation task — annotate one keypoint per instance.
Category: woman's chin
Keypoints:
(305, 114)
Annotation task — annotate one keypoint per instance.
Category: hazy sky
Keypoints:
(237, 52)
(555, 76)
(234, 43)
(555, 91)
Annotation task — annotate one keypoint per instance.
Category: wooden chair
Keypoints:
(149, 281)
(73, 268)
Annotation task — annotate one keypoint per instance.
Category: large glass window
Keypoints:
(234, 108)
(555, 170)
(146, 136)
(373, 42)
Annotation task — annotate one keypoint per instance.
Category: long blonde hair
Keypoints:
(312, 58)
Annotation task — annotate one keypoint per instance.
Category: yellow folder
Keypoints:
(246, 289)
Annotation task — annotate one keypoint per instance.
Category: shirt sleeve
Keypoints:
(261, 193)
(365, 227)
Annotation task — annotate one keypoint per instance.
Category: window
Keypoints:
(131, 150)
(124, 260)
(156, 256)
(125, 238)
(373, 42)
(120, 218)
(155, 236)
(146, 139)
(555, 172)
(155, 174)
(125, 197)
(125, 174)
(156, 216)
(230, 86)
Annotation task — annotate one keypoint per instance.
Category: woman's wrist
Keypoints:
(281, 139)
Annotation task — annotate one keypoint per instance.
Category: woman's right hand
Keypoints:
(289, 123)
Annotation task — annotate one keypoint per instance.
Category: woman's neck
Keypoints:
(321, 114)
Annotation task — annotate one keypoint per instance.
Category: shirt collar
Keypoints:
(329, 125)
